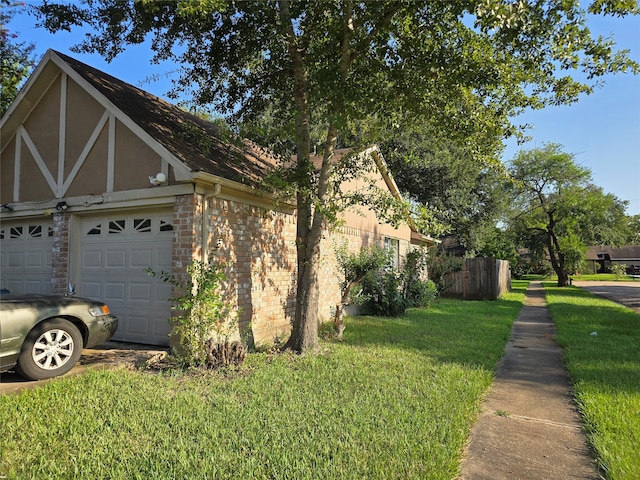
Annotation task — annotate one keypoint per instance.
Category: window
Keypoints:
(165, 226)
(392, 245)
(142, 225)
(116, 226)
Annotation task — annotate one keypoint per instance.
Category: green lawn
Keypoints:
(592, 277)
(396, 399)
(605, 277)
(605, 371)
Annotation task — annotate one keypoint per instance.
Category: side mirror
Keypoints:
(71, 290)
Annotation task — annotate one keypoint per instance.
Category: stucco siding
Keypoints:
(134, 160)
(7, 170)
(43, 125)
(83, 114)
(91, 178)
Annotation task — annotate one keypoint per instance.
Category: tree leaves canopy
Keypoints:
(463, 66)
(459, 62)
(16, 60)
(558, 208)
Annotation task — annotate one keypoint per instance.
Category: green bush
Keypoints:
(440, 266)
(390, 293)
(421, 293)
(204, 319)
(618, 269)
(417, 291)
(383, 293)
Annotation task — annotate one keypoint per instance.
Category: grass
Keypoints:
(592, 277)
(605, 372)
(396, 399)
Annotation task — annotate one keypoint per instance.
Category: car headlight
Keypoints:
(99, 311)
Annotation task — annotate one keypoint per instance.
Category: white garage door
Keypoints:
(116, 250)
(25, 256)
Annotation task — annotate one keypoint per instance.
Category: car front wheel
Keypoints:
(52, 348)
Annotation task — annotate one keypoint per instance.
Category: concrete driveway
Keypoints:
(625, 293)
(107, 355)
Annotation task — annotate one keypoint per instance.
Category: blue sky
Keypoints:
(602, 130)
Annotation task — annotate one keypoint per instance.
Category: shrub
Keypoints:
(618, 269)
(353, 268)
(390, 293)
(383, 292)
(417, 291)
(440, 267)
(421, 293)
(205, 322)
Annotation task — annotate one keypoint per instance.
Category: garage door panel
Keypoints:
(165, 258)
(26, 252)
(15, 259)
(13, 285)
(140, 291)
(91, 289)
(141, 258)
(138, 325)
(114, 291)
(115, 259)
(91, 259)
(163, 292)
(117, 250)
(35, 286)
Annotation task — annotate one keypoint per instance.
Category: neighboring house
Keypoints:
(600, 259)
(100, 180)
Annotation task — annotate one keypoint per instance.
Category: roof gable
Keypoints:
(189, 143)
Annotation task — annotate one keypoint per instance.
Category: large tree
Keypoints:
(465, 66)
(465, 193)
(16, 59)
(558, 208)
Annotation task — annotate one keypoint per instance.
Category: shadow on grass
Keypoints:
(600, 339)
(450, 331)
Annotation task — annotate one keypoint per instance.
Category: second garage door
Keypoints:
(116, 250)
(25, 255)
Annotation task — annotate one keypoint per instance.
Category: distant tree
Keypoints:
(466, 67)
(16, 60)
(500, 244)
(557, 206)
(462, 184)
(633, 229)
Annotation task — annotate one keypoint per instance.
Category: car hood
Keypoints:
(51, 300)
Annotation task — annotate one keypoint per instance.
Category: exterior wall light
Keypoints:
(61, 206)
(159, 179)
(5, 207)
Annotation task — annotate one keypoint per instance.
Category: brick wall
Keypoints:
(187, 225)
(60, 254)
(258, 245)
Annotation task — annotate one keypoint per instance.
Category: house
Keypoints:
(100, 180)
(601, 258)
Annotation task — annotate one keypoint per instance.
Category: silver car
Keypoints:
(42, 336)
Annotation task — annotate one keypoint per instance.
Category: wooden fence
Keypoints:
(482, 278)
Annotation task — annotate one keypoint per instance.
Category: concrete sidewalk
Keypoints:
(529, 427)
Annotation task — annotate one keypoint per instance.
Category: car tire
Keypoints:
(51, 348)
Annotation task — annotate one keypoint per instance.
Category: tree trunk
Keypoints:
(338, 317)
(557, 258)
(304, 332)
(310, 221)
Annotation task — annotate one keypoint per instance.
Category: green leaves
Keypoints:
(16, 60)
(557, 206)
(202, 312)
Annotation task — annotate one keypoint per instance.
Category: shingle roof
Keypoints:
(629, 252)
(192, 140)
